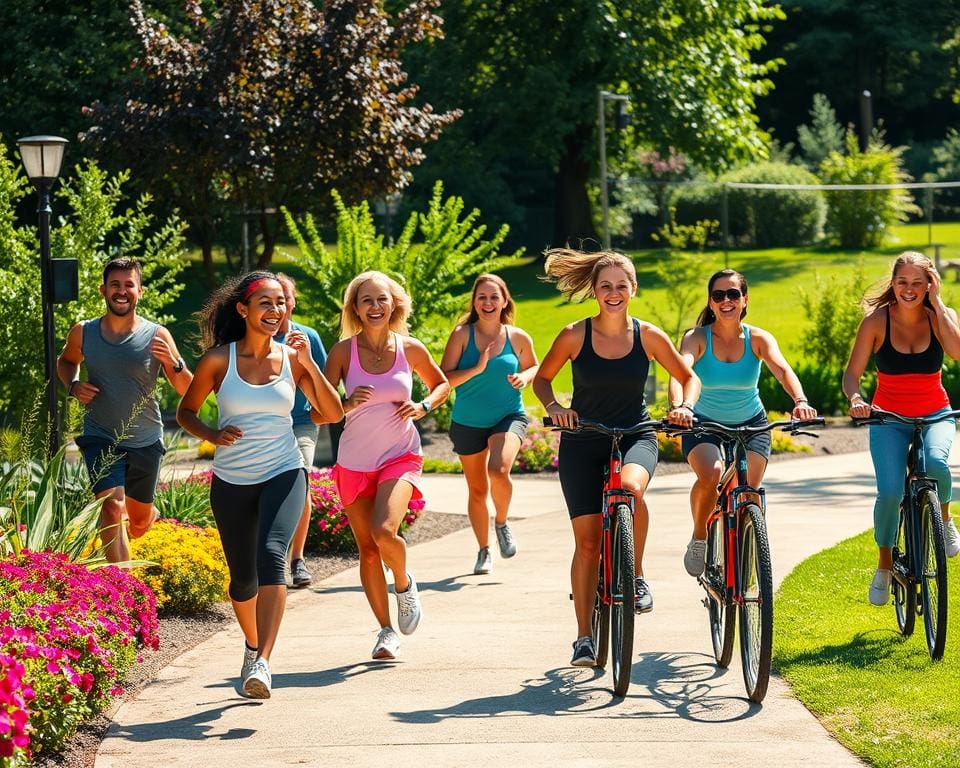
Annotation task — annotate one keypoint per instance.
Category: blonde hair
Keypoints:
(507, 314)
(350, 323)
(882, 294)
(576, 273)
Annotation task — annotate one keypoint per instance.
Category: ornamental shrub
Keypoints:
(760, 218)
(669, 446)
(68, 636)
(190, 572)
(329, 527)
(538, 451)
(186, 500)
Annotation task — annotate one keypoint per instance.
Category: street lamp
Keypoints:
(41, 157)
(622, 117)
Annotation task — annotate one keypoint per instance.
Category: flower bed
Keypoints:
(68, 635)
(329, 527)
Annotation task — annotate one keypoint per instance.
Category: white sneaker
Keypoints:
(951, 539)
(257, 684)
(408, 607)
(880, 586)
(505, 540)
(484, 562)
(694, 558)
(249, 657)
(388, 645)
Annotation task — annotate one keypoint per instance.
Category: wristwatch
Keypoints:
(179, 366)
(425, 405)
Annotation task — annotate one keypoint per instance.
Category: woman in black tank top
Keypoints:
(610, 356)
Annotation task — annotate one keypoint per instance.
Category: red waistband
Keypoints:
(910, 394)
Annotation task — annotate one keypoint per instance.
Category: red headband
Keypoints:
(251, 289)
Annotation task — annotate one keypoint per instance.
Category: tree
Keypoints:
(270, 103)
(93, 229)
(824, 134)
(527, 76)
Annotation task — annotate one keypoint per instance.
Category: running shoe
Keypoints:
(257, 683)
(484, 563)
(408, 607)
(880, 586)
(505, 540)
(583, 653)
(388, 645)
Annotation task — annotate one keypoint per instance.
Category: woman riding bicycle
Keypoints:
(610, 356)
(907, 329)
(726, 354)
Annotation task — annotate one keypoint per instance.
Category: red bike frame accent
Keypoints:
(613, 494)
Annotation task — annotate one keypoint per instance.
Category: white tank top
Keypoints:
(262, 412)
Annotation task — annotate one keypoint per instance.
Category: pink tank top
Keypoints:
(373, 433)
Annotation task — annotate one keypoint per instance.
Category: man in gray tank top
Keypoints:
(122, 440)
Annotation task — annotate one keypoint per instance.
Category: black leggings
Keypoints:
(256, 523)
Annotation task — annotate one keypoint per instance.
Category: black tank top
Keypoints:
(890, 361)
(610, 391)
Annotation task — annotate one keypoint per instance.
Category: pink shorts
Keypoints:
(353, 484)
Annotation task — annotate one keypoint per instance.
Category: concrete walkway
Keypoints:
(485, 679)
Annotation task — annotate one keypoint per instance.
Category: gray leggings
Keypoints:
(256, 523)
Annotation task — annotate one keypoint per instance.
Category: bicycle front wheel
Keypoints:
(756, 609)
(904, 592)
(623, 592)
(933, 584)
(722, 614)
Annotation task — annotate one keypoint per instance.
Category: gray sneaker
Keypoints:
(951, 538)
(388, 645)
(257, 683)
(879, 593)
(299, 574)
(249, 657)
(642, 599)
(694, 559)
(484, 562)
(584, 654)
(505, 540)
(408, 607)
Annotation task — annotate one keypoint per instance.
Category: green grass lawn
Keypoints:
(775, 277)
(876, 691)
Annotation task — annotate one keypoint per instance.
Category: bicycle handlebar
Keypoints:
(585, 425)
(883, 416)
(792, 426)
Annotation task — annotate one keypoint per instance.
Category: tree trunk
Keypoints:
(574, 220)
(269, 226)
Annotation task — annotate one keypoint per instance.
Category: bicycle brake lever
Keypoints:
(806, 434)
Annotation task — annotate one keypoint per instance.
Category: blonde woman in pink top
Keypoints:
(379, 459)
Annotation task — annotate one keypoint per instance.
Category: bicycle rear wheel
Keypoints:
(904, 595)
(756, 609)
(722, 615)
(933, 585)
(623, 592)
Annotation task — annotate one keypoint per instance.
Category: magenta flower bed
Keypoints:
(329, 527)
(68, 636)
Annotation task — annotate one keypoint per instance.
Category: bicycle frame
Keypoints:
(613, 494)
(915, 481)
(734, 491)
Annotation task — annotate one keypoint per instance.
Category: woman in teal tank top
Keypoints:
(726, 354)
(488, 361)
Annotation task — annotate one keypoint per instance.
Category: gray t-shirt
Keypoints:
(126, 409)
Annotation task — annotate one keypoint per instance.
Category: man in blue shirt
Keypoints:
(304, 428)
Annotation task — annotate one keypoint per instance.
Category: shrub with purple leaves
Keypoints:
(68, 636)
(329, 527)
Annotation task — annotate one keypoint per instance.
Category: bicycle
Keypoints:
(919, 558)
(738, 576)
(613, 610)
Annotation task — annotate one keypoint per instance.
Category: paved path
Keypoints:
(485, 679)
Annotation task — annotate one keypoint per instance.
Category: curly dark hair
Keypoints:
(219, 321)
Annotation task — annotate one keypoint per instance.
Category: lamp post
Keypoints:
(41, 157)
(602, 97)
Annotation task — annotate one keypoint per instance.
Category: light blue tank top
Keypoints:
(488, 397)
(729, 393)
(262, 412)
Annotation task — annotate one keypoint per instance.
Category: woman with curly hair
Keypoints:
(259, 482)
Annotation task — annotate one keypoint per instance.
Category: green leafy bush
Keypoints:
(760, 218)
(863, 219)
(189, 572)
(442, 467)
(781, 442)
(538, 451)
(186, 500)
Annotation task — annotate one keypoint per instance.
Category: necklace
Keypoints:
(378, 353)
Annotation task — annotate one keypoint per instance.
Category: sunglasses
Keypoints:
(733, 294)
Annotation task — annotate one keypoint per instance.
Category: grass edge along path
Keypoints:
(877, 692)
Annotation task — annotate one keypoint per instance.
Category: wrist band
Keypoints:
(801, 400)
